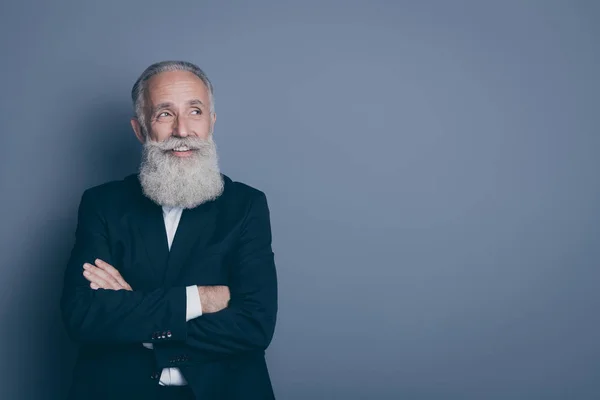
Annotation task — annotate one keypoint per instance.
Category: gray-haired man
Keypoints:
(171, 287)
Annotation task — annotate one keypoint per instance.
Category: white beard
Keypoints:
(185, 182)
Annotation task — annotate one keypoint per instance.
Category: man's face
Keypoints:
(179, 166)
(178, 105)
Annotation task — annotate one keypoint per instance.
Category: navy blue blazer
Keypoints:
(226, 241)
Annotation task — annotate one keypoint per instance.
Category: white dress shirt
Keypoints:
(173, 376)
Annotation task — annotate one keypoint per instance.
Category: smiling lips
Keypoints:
(182, 151)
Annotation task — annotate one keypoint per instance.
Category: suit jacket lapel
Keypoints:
(147, 218)
(195, 229)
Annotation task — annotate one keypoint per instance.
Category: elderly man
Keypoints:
(171, 287)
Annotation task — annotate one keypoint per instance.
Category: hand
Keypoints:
(104, 276)
(213, 298)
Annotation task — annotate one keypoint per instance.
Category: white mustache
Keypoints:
(193, 143)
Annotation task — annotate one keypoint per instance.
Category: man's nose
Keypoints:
(180, 127)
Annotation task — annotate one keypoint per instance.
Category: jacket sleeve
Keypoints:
(114, 316)
(248, 323)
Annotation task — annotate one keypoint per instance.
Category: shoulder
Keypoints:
(242, 189)
(242, 195)
(242, 200)
(113, 193)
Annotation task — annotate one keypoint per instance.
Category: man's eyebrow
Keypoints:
(195, 102)
(161, 106)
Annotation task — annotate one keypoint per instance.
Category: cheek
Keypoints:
(161, 131)
(202, 128)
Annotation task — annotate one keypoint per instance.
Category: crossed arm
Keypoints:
(102, 275)
(104, 309)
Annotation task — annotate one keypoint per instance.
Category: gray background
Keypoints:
(431, 169)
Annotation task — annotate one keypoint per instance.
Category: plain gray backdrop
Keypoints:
(431, 169)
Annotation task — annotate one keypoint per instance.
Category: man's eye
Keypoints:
(164, 114)
(196, 112)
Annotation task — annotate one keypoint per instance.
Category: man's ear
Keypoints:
(213, 118)
(137, 129)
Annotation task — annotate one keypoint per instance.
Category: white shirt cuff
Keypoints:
(194, 306)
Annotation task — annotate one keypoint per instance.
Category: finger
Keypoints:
(112, 271)
(104, 276)
(106, 280)
(95, 280)
(104, 271)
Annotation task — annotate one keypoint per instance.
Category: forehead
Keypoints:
(176, 86)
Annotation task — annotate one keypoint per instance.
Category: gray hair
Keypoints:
(140, 86)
